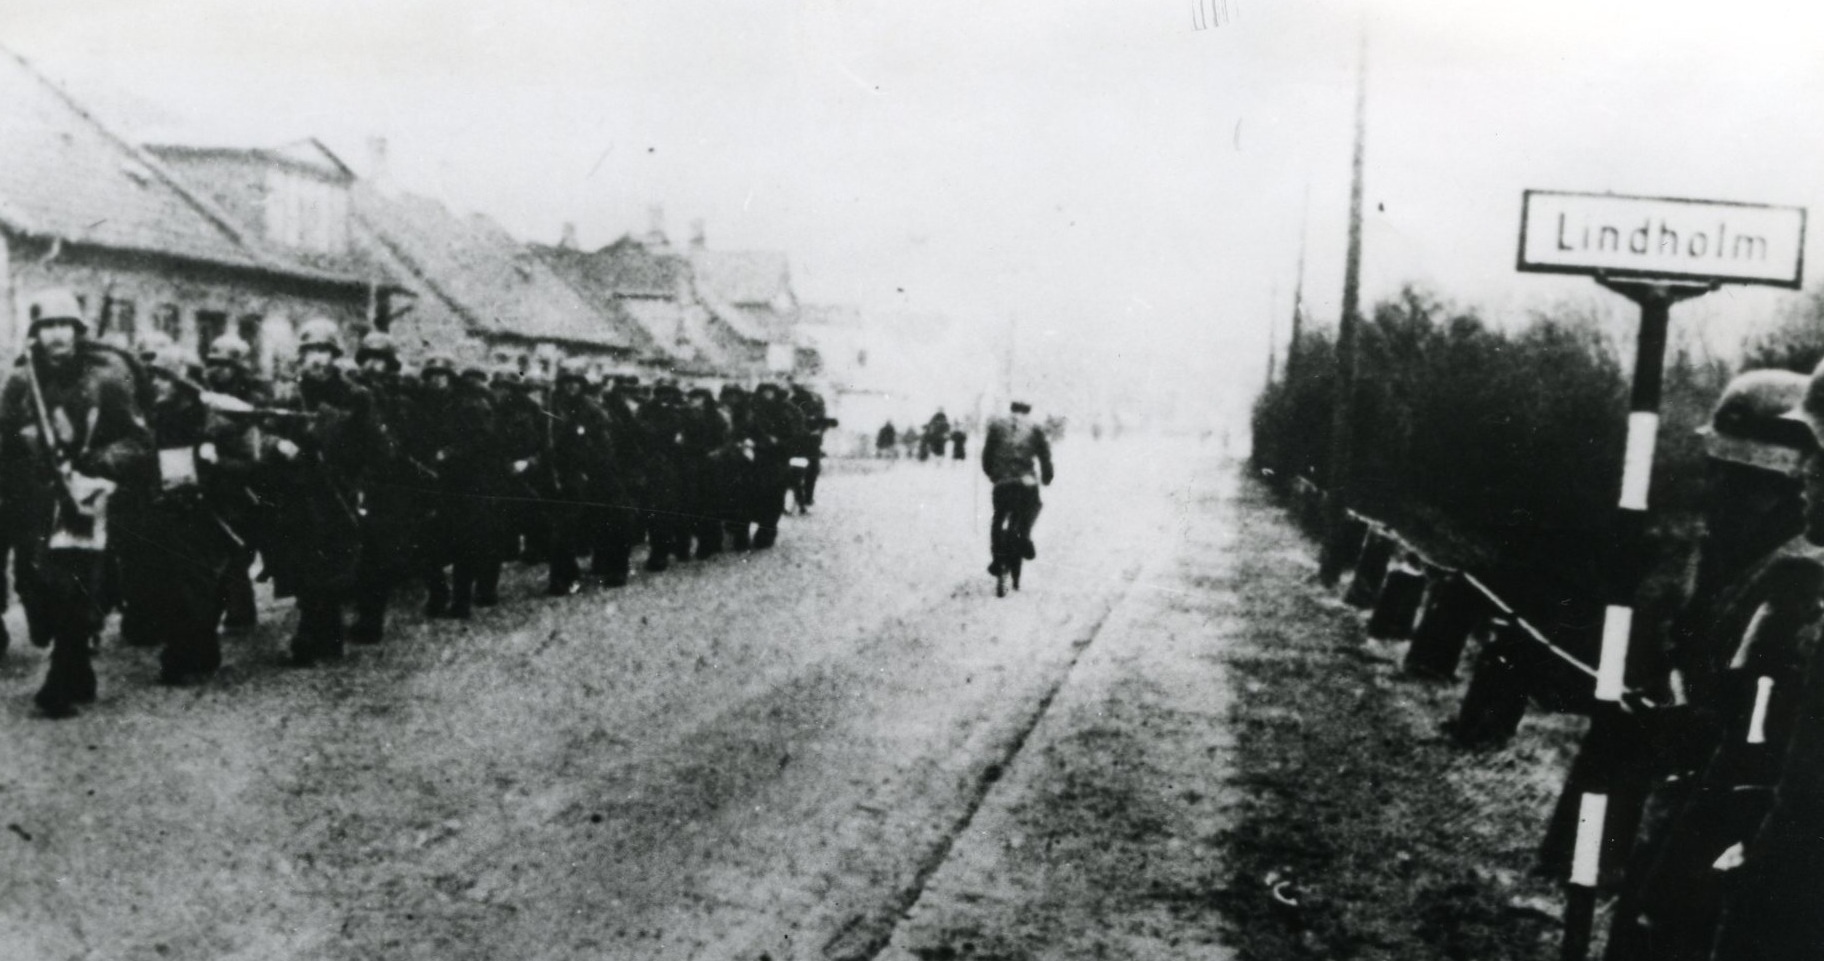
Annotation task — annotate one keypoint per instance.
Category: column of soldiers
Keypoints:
(147, 482)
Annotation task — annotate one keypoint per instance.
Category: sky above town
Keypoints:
(1128, 182)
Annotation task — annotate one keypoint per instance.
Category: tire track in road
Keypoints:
(864, 938)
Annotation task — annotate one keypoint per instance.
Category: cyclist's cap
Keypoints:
(1021, 407)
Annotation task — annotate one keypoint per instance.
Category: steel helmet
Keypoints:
(151, 342)
(230, 349)
(573, 368)
(438, 363)
(378, 344)
(320, 332)
(173, 359)
(56, 304)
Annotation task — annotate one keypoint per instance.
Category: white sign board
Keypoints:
(1657, 237)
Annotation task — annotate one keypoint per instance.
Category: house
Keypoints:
(480, 293)
(750, 294)
(653, 322)
(142, 245)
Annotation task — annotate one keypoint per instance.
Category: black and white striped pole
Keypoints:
(1596, 822)
(1656, 251)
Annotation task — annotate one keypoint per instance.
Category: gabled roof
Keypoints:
(487, 277)
(750, 291)
(742, 277)
(65, 176)
(308, 156)
(584, 273)
(631, 269)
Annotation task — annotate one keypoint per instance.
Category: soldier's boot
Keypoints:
(487, 584)
(462, 591)
(240, 611)
(6, 639)
(70, 679)
(564, 571)
(709, 538)
(436, 593)
(738, 537)
(370, 616)
(658, 556)
(320, 630)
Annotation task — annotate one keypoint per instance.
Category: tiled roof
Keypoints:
(742, 277)
(498, 286)
(64, 175)
(584, 273)
(750, 291)
(631, 269)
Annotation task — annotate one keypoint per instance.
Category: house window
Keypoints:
(167, 319)
(210, 324)
(249, 329)
(118, 321)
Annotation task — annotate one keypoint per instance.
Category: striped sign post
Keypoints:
(1656, 252)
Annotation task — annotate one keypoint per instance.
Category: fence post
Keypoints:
(1402, 590)
(1495, 701)
(1370, 568)
(1597, 826)
(1452, 611)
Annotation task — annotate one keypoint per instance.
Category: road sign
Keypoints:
(1663, 238)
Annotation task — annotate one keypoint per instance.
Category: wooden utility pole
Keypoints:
(1342, 441)
(1272, 334)
(1298, 289)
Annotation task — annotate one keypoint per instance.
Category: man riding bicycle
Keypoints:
(1013, 443)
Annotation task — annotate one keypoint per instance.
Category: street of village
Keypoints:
(830, 749)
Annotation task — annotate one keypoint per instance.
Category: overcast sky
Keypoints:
(1105, 171)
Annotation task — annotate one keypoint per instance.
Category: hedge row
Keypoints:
(1504, 445)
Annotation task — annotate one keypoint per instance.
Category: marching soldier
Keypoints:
(392, 515)
(579, 461)
(704, 459)
(457, 427)
(661, 427)
(522, 429)
(325, 457)
(739, 475)
(623, 518)
(775, 427)
(234, 495)
(75, 452)
(816, 417)
(182, 549)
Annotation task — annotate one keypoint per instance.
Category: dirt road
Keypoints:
(764, 755)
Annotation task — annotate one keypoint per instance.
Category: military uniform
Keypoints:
(91, 401)
(394, 511)
(588, 503)
(816, 417)
(317, 530)
(775, 428)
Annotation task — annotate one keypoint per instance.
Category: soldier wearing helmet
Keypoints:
(1741, 789)
(775, 427)
(73, 430)
(326, 461)
(206, 460)
(578, 465)
(460, 434)
(522, 431)
(395, 510)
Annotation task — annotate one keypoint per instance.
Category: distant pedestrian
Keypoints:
(937, 431)
(886, 442)
(959, 444)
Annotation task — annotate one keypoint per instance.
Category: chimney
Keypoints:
(697, 239)
(655, 235)
(569, 239)
(378, 173)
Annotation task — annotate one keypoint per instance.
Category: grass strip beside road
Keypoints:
(1393, 843)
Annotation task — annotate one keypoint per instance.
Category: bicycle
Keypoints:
(1016, 507)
